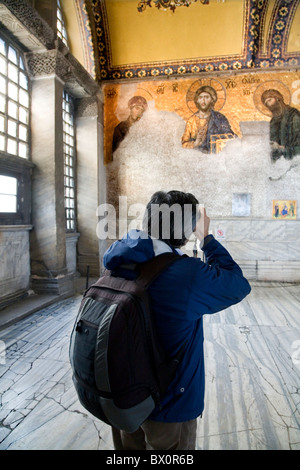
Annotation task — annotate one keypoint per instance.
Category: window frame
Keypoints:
(8, 117)
(13, 165)
(11, 215)
(60, 20)
(69, 99)
(23, 177)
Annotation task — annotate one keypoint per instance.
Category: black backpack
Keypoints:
(120, 371)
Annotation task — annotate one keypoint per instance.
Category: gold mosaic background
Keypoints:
(238, 98)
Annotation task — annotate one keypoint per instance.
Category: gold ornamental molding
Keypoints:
(167, 4)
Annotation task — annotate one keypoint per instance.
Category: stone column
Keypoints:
(88, 132)
(52, 250)
(48, 237)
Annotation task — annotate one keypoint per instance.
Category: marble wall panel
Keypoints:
(286, 271)
(48, 243)
(239, 229)
(87, 193)
(71, 251)
(15, 260)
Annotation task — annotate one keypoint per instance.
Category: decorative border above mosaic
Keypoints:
(253, 57)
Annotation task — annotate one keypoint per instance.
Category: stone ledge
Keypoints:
(15, 228)
(25, 307)
(268, 271)
(10, 299)
(30, 304)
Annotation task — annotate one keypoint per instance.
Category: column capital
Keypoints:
(64, 65)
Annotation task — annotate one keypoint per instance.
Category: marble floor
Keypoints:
(252, 378)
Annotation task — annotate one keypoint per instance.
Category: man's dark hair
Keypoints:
(171, 217)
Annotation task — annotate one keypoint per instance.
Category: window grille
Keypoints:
(14, 101)
(61, 29)
(69, 162)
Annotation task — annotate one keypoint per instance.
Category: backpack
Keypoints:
(120, 371)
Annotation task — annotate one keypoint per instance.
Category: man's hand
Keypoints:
(276, 146)
(202, 227)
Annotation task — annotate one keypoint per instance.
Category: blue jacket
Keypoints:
(180, 296)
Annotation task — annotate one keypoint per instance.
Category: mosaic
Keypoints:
(211, 109)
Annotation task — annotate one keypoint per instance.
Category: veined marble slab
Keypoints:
(252, 355)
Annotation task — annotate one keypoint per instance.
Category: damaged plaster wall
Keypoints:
(151, 158)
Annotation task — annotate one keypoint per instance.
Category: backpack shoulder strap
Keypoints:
(149, 270)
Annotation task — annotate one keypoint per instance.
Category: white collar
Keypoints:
(160, 247)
